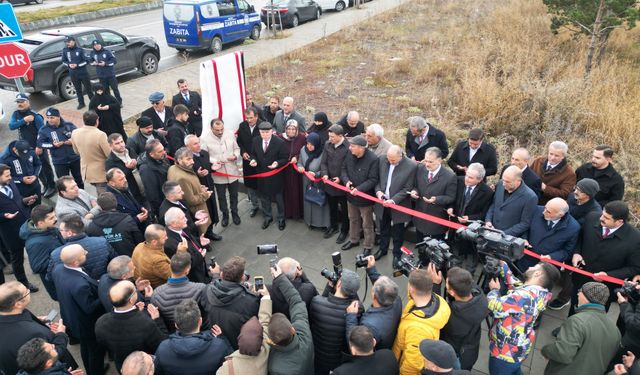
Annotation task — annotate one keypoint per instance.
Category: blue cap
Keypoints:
(156, 96)
(21, 97)
(96, 41)
(22, 147)
(53, 112)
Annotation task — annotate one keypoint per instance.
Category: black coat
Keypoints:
(435, 138)
(610, 181)
(245, 142)
(486, 155)
(175, 136)
(381, 362)
(266, 115)
(277, 151)
(110, 120)
(478, 204)
(191, 225)
(349, 131)
(331, 164)
(153, 174)
(198, 273)
(202, 160)
(155, 119)
(195, 109)
(127, 204)
(113, 161)
(363, 173)
(443, 186)
(136, 142)
(17, 330)
(304, 287)
(118, 228)
(9, 228)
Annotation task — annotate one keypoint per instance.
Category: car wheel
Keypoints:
(340, 6)
(255, 32)
(149, 63)
(216, 44)
(318, 13)
(295, 21)
(66, 89)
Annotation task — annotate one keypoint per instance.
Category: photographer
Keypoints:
(630, 316)
(512, 334)
(293, 271)
(383, 316)
(327, 316)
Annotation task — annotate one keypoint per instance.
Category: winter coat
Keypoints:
(153, 174)
(111, 118)
(559, 181)
(106, 56)
(113, 161)
(49, 134)
(220, 149)
(363, 173)
(276, 152)
(586, 343)
(381, 362)
(194, 196)
(151, 263)
(57, 369)
(443, 186)
(304, 287)
(75, 55)
(175, 136)
(137, 142)
(279, 123)
(610, 181)
(229, 305)
(91, 144)
(485, 155)
(21, 167)
(39, 244)
(200, 353)
(630, 315)
(80, 206)
(417, 324)
(331, 165)
(434, 138)
(99, 254)
(580, 212)
(119, 229)
(512, 214)
(167, 296)
(27, 131)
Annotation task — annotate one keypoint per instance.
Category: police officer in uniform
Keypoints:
(25, 166)
(104, 60)
(73, 57)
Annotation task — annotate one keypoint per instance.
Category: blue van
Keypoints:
(208, 24)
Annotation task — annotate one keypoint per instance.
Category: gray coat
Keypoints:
(443, 186)
(512, 215)
(402, 180)
(68, 206)
(167, 296)
(331, 164)
(279, 123)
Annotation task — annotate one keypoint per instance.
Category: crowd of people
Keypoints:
(129, 270)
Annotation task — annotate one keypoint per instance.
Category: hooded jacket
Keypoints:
(463, 330)
(118, 228)
(229, 305)
(200, 353)
(417, 324)
(39, 244)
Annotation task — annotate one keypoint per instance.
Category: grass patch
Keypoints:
(24, 17)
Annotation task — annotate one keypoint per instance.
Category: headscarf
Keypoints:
(314, 139)
(322, 117)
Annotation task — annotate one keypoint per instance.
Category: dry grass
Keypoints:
(61, 11)
(471, 63)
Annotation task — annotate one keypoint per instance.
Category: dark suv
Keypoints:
(134, 53)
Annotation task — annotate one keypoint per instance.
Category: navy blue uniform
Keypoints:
(79, 75)
(106, 73)
(28, 165)
(65, 160)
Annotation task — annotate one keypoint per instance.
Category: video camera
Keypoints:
(407, 264)
(629, 291)
(491, 267)
(361, 261)
(436, 252)
(337, 269)
(493, 241)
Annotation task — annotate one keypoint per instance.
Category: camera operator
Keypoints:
(364, 359)
(425, 314)
(512, 333)
(630, 316)
(383, 316)
(327, 316)
(293, 271)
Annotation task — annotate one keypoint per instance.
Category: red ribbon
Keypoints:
(258, 175)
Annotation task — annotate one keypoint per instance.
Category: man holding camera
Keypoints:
(293, 271)
(514, 314)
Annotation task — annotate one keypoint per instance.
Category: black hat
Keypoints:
(53, 112)
(439, 353)
(588, 186)
(143, 122)
(69, 38)
(264, 125)
(359, 141)
(22, 147)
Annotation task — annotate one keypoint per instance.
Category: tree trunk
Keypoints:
(602, 48)
(595, 38)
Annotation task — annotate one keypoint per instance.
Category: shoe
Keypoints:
(214, 237)
(80, 106)
(32, 288)
(281, 224)
(329, 232)
(395, 262)
(266, 223)
(225, 221)
(49, 192)
(348, 245)
(556, 304)
(555, 332)
(253, 212)
(236, 219)
(379, 254)
(341, 238)
(366, 252)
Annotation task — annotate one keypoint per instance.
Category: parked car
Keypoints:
(290, 12)
(134, 53)
(208, 24)
(337, 5)
(25, 2)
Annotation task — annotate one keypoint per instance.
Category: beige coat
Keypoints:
(241, 364)
(194, 196)
(91, 144)
(219, 150)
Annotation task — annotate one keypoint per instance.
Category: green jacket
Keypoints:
(297, 356)
(586, 343)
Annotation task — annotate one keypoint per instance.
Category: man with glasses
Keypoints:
(160, 114)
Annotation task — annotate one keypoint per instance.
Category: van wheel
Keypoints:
(255, 32)
(340, 6)
(149, 63)
(295, 21)
(216, 44)
(66, 89)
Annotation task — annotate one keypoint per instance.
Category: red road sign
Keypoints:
(14, 61)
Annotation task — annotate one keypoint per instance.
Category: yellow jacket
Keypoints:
(417, 324)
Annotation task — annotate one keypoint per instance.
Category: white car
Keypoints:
(337, 5)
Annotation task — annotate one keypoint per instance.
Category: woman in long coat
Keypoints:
(294, 141)
(310, 157)
(108, 109)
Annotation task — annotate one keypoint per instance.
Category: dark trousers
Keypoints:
(566, 286)
(221, 190)
(92, 355)
(266, 201)
(46, 173)
(111, 83)
(389, 232)
(500, 367)
(49, 286)
(73, 168)
(16, 256)
(78, 82)
(338, 211)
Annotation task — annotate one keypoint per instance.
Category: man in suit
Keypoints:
(80, 305)
(558, 178)
(601, 169)
(247, 132)
(397, 176)
(161, 115)
(173, 198)
(191, 100)
(177, 237)
(118, 185)
(435, 189)
(474, 150)
(268, 153)
(473, 198)
(13, 213)
(287, 113)
(513, 204)
(520, 158)
(335, 151)
(421, 136)
(125, 160)
(145, 132)
(91, 144)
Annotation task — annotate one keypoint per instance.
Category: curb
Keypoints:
(83, 17)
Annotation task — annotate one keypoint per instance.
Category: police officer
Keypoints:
(73, 57)
(55, 136)
(104, 60)
(25, 166)
(28, 122)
